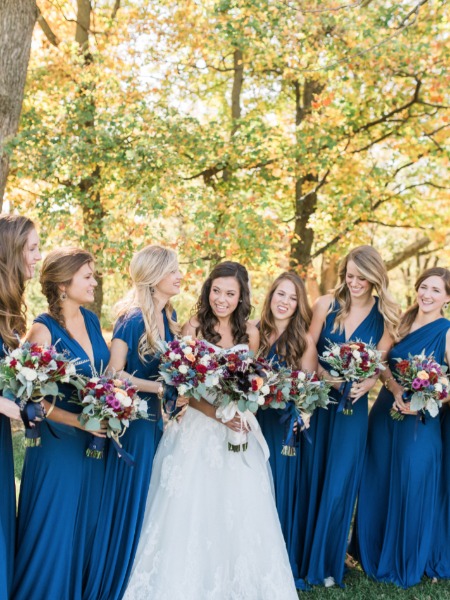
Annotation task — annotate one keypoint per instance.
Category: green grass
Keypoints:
(360, 587)
(357, 585)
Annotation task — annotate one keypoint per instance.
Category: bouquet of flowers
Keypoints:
(244, 384)
(189, 367)
(113, 401)
(30, 372)
(353, 361)
(425, 382)
(299, 394)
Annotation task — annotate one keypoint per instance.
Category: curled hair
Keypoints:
(292, 343)
(207, 319)
(371, 266)
(409, 315)
(147, 268)
(59, 268)
(14, 231)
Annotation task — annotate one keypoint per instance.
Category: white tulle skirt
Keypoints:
(211, 529)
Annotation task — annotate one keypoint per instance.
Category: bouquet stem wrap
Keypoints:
(32, 413)
(345, 404)
(96, 447)
(290, 417)
(237, 440)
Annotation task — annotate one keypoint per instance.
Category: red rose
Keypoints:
(201, 369)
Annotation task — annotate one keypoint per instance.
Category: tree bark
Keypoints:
(17, 20)
(304, 204)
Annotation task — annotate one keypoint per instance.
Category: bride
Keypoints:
(211, 529)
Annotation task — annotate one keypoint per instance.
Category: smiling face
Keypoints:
(357, 285)
(81, 289)
(431, 295)
(284, 300)
(224, 296)
(31, 253)
(170, 284)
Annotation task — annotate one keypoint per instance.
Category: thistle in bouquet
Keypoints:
(299, 393)
(188, 367)
(352, 361)
(30, 372)
(425, 382)
(112, 402)
(244, 385)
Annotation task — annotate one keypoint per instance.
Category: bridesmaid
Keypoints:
(399, 486)
(19, 253)
(332, 463)
(146, 316)
(61, 488)
(285, 320)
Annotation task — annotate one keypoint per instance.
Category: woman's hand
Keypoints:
(360, 388)
(236, 424)
(399, 404)
(9, 408)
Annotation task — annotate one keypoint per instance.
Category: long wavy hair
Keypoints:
(204, 313)
(371, 266)
(58, 269)
(409, 315)
(292, 343)
(14, 231)
(147, 268)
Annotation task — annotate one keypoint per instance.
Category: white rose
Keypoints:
(70, 369)
(182, 389)
(187, 350)
(174, 356)
(261, 400)
(438, 387)
(204, 360)
(301, 376)
(16, 353)
(356, 354)
(183, 369)
(94, 379)
(29, 374)
(265, 390)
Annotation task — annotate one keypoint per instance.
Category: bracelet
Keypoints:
(160, 392)
(386, 383)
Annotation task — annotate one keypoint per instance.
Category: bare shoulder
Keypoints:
(190, 327)
(322, 304)
(39, 334)
(253, 337)
(253, 322)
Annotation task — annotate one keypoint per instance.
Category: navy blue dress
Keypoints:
(7, 503)
(331, 471)
(285, 469)
(439, 560)
(398, 494)
(126, 488)
(61, 489)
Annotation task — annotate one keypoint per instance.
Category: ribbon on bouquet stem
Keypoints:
(227, 413)
(345, 404)
(290, 417)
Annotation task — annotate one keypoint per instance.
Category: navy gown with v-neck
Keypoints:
(7, 503)
(330, 471)
(285, 469)
(61, 489)
(399, 486)
(125, 491)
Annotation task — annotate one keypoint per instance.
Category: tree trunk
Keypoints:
(90, 186)
(305, 204)
(17, 20)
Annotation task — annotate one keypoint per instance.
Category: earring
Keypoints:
(446, 306)
(152, 290)
(240, 301)
(62, 296)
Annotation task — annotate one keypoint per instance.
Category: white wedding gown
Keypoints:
(211, 528)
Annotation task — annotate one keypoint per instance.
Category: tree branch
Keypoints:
(52, 37)
(407, 252)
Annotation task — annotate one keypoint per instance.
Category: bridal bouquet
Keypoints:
(189, 367)
(353, 361)
(244, 385)
(425, 382)
(112, 401)
(30, 372)
(299, 394)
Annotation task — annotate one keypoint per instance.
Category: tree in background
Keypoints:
(273, 132)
